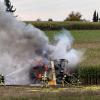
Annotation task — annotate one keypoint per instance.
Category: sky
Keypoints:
(58, 10)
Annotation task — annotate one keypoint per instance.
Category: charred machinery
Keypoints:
(54, 73)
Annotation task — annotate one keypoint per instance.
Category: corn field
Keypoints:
(70, 25)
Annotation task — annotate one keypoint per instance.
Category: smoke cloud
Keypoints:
(64, 50)
(22, 45)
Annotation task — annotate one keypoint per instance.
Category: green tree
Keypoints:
(50, 19)
(9, 6)
(38, 20)
(74, 16)
(95, 16)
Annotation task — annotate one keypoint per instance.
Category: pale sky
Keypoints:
(55, 9)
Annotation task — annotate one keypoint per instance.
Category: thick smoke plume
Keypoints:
(22, 45)
(64, 50)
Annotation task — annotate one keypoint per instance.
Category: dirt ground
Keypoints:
(37, 92)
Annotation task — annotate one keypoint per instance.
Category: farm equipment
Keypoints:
(53, 74)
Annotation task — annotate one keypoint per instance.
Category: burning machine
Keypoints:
(53, 73)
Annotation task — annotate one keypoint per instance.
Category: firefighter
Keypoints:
(63, 80)
(1, 79)
(45, 76)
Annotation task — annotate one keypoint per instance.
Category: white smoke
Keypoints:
(64, 50)
(22, 44)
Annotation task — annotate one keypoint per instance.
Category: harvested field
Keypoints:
(31, 93)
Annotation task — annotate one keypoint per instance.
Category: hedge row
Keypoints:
(70, 25)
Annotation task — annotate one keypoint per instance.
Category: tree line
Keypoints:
(73, 16)
(77, 16)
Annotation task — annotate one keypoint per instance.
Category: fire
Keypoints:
(49, 72)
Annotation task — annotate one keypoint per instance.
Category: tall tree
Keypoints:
(9, 6)
(95, 16)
